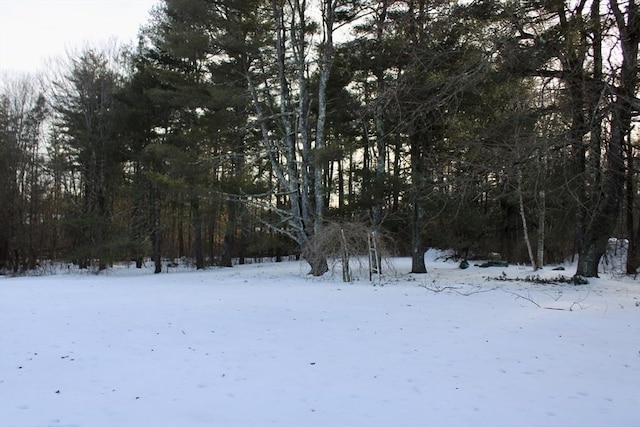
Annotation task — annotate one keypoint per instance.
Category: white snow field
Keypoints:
(265, 344)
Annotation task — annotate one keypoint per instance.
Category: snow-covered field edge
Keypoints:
(267, 344)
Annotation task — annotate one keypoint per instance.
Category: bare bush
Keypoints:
(347, 244)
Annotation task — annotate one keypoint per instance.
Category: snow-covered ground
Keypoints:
(265, 344)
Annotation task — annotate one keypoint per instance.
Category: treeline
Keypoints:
(241, 128)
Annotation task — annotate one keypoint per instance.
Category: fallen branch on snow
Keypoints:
(528, 298)
(438, 289)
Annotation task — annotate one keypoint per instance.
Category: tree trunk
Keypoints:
(378, 122)
(417, 245)
(157, 245)
(630, 39)
(379, 190)
(318, 265)
(633, 253)
(606, 215)
(302, 217)
(589, 256)
(326, 61)
(633, 233)
(541, 228)
(197, 232)
(527, 241)
(156, 233)
(226, 259)
(604, 220)
(138, 223)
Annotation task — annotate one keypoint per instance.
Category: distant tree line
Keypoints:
(241, 128)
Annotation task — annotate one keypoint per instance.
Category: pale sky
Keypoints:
(34, 31)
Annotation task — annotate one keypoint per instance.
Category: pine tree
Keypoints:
(85, 108)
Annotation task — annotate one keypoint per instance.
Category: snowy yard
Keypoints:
(265, 344)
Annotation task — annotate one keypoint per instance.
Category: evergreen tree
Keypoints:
(85, 108)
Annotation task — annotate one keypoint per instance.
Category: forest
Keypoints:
(238, 129)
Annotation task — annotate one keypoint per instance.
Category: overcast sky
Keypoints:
(32, 31)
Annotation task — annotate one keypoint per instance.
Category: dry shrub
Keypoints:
(346, 244)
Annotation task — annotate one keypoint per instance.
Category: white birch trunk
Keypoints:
(524, 222)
